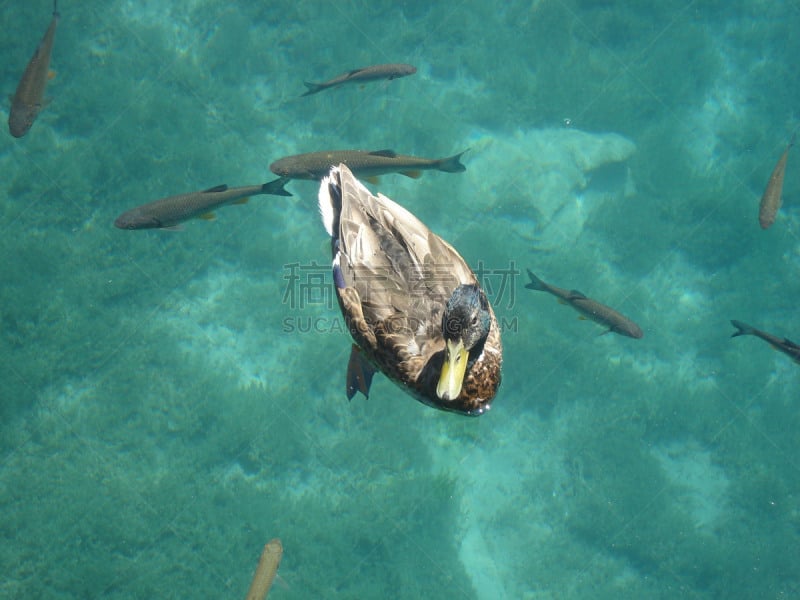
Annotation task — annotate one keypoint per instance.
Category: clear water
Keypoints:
(173, 400)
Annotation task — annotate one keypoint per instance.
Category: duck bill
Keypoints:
(453, 369)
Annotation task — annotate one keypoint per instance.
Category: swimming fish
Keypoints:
(771, 200)
(788, 347)
(169, 212)
(266, 570)
(315, 165)
(363, 75)
(588, 308)
(28, 101)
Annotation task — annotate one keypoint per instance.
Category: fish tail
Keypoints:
(55, 9)
(536, 283)
(452, 164)
(313, 88)
(742, 329)
(275, 187)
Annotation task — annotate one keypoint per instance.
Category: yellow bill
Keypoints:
(453, 369)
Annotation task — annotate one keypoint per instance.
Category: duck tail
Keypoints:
(330, 201)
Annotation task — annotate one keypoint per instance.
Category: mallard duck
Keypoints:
(413, 307)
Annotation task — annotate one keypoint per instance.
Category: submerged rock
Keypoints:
(548, 181)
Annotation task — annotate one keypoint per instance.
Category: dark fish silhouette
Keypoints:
(171, 211)
(315, 165)
(788, 347)
(590, 309)
(28, 101)
(363, 75)
(772, 198)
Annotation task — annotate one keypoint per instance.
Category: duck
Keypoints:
(414, 308)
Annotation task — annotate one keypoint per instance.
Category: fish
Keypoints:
(363, 163)
(363, 75)
(28, 101)
(588, 308)
(771, 200)
(788, 347)
(171, 211)
(266, 570)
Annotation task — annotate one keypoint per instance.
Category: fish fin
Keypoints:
(372, 179)
(564, 302)
(384, 153)
(210, 216)
(51, 74)
(582, 318)
(359, 373)
(217, 188)
(313, 88)
(576, 295)
(536, 283)
(605, 332)
(741, 329)
(172, 228)
(281, 581)
(353, 73)
(452, 164)
(244, 200)
(275, 187)
(412, 174)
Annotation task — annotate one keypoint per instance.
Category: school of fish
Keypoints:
(170, 212)
(28, 101)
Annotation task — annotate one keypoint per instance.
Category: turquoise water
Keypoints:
(173, 400)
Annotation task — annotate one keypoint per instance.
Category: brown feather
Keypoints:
(398, 277)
